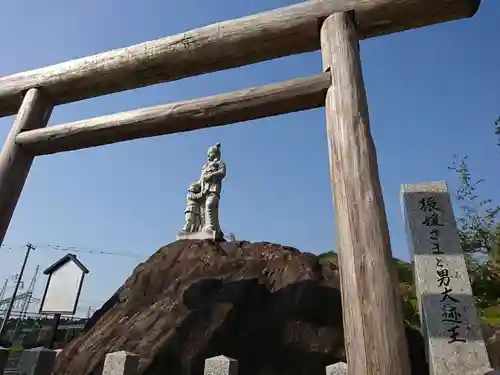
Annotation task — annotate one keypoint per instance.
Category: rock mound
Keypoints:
(274, 309)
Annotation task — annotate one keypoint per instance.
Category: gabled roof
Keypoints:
(65, 259)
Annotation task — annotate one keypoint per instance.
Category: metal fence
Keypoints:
(33, 331)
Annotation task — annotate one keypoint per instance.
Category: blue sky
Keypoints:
(432, 92)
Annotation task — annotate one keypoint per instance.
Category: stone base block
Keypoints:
(205, 235)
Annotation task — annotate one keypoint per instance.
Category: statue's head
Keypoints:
(195, 187)
(214, 152)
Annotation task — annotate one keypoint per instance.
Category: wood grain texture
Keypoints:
(248, 104)
(15, 162)
(373, 322)
(285, 31)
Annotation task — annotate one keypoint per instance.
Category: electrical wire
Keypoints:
(76, 249)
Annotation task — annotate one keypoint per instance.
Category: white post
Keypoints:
(339, 368)
(120, 363)
(221, 365)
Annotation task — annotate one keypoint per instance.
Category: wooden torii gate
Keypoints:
(375, 339)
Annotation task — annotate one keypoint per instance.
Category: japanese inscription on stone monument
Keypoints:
(450, 306)
(449, 318)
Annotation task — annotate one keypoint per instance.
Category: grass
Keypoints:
(491, 316)
(16, 349)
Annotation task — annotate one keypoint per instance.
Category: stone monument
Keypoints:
(450, 322)
(202, 210)
(339, 368)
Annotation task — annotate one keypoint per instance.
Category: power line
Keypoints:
(11, 247)
(78, 249)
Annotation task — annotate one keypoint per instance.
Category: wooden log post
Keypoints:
(15, 162)
(373, 323)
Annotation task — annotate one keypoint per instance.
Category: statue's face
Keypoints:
(211, 154)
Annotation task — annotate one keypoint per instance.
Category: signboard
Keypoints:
(63, 286)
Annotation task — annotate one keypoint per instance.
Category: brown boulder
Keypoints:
(274, 309)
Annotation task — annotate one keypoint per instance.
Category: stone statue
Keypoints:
(192, 213)
(204, 196)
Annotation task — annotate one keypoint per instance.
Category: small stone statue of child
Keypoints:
(192, 213)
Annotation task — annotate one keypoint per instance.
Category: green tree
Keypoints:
(478, 225)
(479, 232)
(485, 282)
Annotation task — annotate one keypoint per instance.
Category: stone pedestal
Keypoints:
(449, 318)
(205, 235)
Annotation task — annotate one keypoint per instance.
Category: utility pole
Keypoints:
(26, 302)
(4, 288)
(16, 288)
